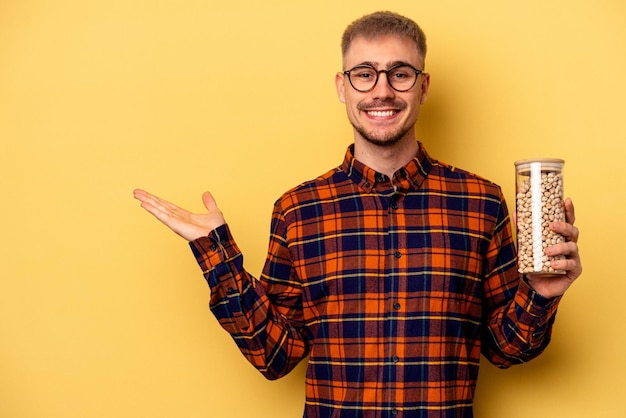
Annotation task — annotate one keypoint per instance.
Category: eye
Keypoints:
(401, 73)
(364, 73)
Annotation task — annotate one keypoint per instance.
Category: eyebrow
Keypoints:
(389, 64)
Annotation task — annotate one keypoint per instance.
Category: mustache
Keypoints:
(377, 104)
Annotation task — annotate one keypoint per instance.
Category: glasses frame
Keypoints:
(378, 72)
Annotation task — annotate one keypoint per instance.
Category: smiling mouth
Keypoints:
(381, 113)
(382, 108)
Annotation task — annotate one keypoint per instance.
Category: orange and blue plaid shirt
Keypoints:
(392, 286)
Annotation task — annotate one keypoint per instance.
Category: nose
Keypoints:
(382, 89)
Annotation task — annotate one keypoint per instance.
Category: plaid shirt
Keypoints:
(393, 286)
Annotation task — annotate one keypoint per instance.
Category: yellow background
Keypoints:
(103, 312)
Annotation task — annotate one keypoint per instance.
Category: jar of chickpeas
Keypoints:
(539, 201)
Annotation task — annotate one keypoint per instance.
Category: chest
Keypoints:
(375, 254)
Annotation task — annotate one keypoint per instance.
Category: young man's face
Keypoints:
(382, 116)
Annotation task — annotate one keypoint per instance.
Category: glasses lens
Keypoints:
(362, 78)
(402, 78)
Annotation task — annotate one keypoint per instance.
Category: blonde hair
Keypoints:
(384, 23)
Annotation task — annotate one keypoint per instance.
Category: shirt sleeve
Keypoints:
(518, 320)
(268, 333)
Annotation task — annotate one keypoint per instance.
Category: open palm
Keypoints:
(188, 225)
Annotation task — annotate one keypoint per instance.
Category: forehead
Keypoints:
(382, 51)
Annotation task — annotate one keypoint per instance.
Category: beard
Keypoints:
(384, 139)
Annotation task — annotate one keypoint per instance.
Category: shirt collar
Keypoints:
(406, 178)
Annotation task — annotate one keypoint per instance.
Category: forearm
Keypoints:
(520, 330)
(269, 340)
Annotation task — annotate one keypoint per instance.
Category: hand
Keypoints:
(190, 226)
(555, 285)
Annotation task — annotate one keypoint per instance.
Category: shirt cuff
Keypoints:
(536, 304)
(538, 315)
(216, 248)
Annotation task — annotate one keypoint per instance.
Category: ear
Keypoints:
(340, 85)
(425, 86)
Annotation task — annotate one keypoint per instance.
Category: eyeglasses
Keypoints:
(401, 78)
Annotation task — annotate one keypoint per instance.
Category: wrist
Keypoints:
(547, 286)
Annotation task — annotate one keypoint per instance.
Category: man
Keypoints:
(392, 271)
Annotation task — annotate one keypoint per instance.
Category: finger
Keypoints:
(140, 194)
(144, 196)
(166, 204)
(568, 249)
(154, 201)
(570, 216)
(157, 211)
(567, 264)
(568, 231)
(147, 200)
(159, 208)
(571, 266)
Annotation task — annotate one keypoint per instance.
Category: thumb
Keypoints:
(209, 202)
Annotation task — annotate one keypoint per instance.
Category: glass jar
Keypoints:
(538, 201)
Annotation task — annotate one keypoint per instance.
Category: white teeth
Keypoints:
(381, 114)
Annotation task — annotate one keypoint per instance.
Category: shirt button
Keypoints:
(398, 254)
(396, 306)
(395, 359)
(394, 411)
(393, 202)
(213, 247)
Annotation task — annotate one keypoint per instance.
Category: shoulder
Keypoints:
(323, 187)
(454, 178)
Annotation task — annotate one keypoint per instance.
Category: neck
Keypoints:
(385, 159)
